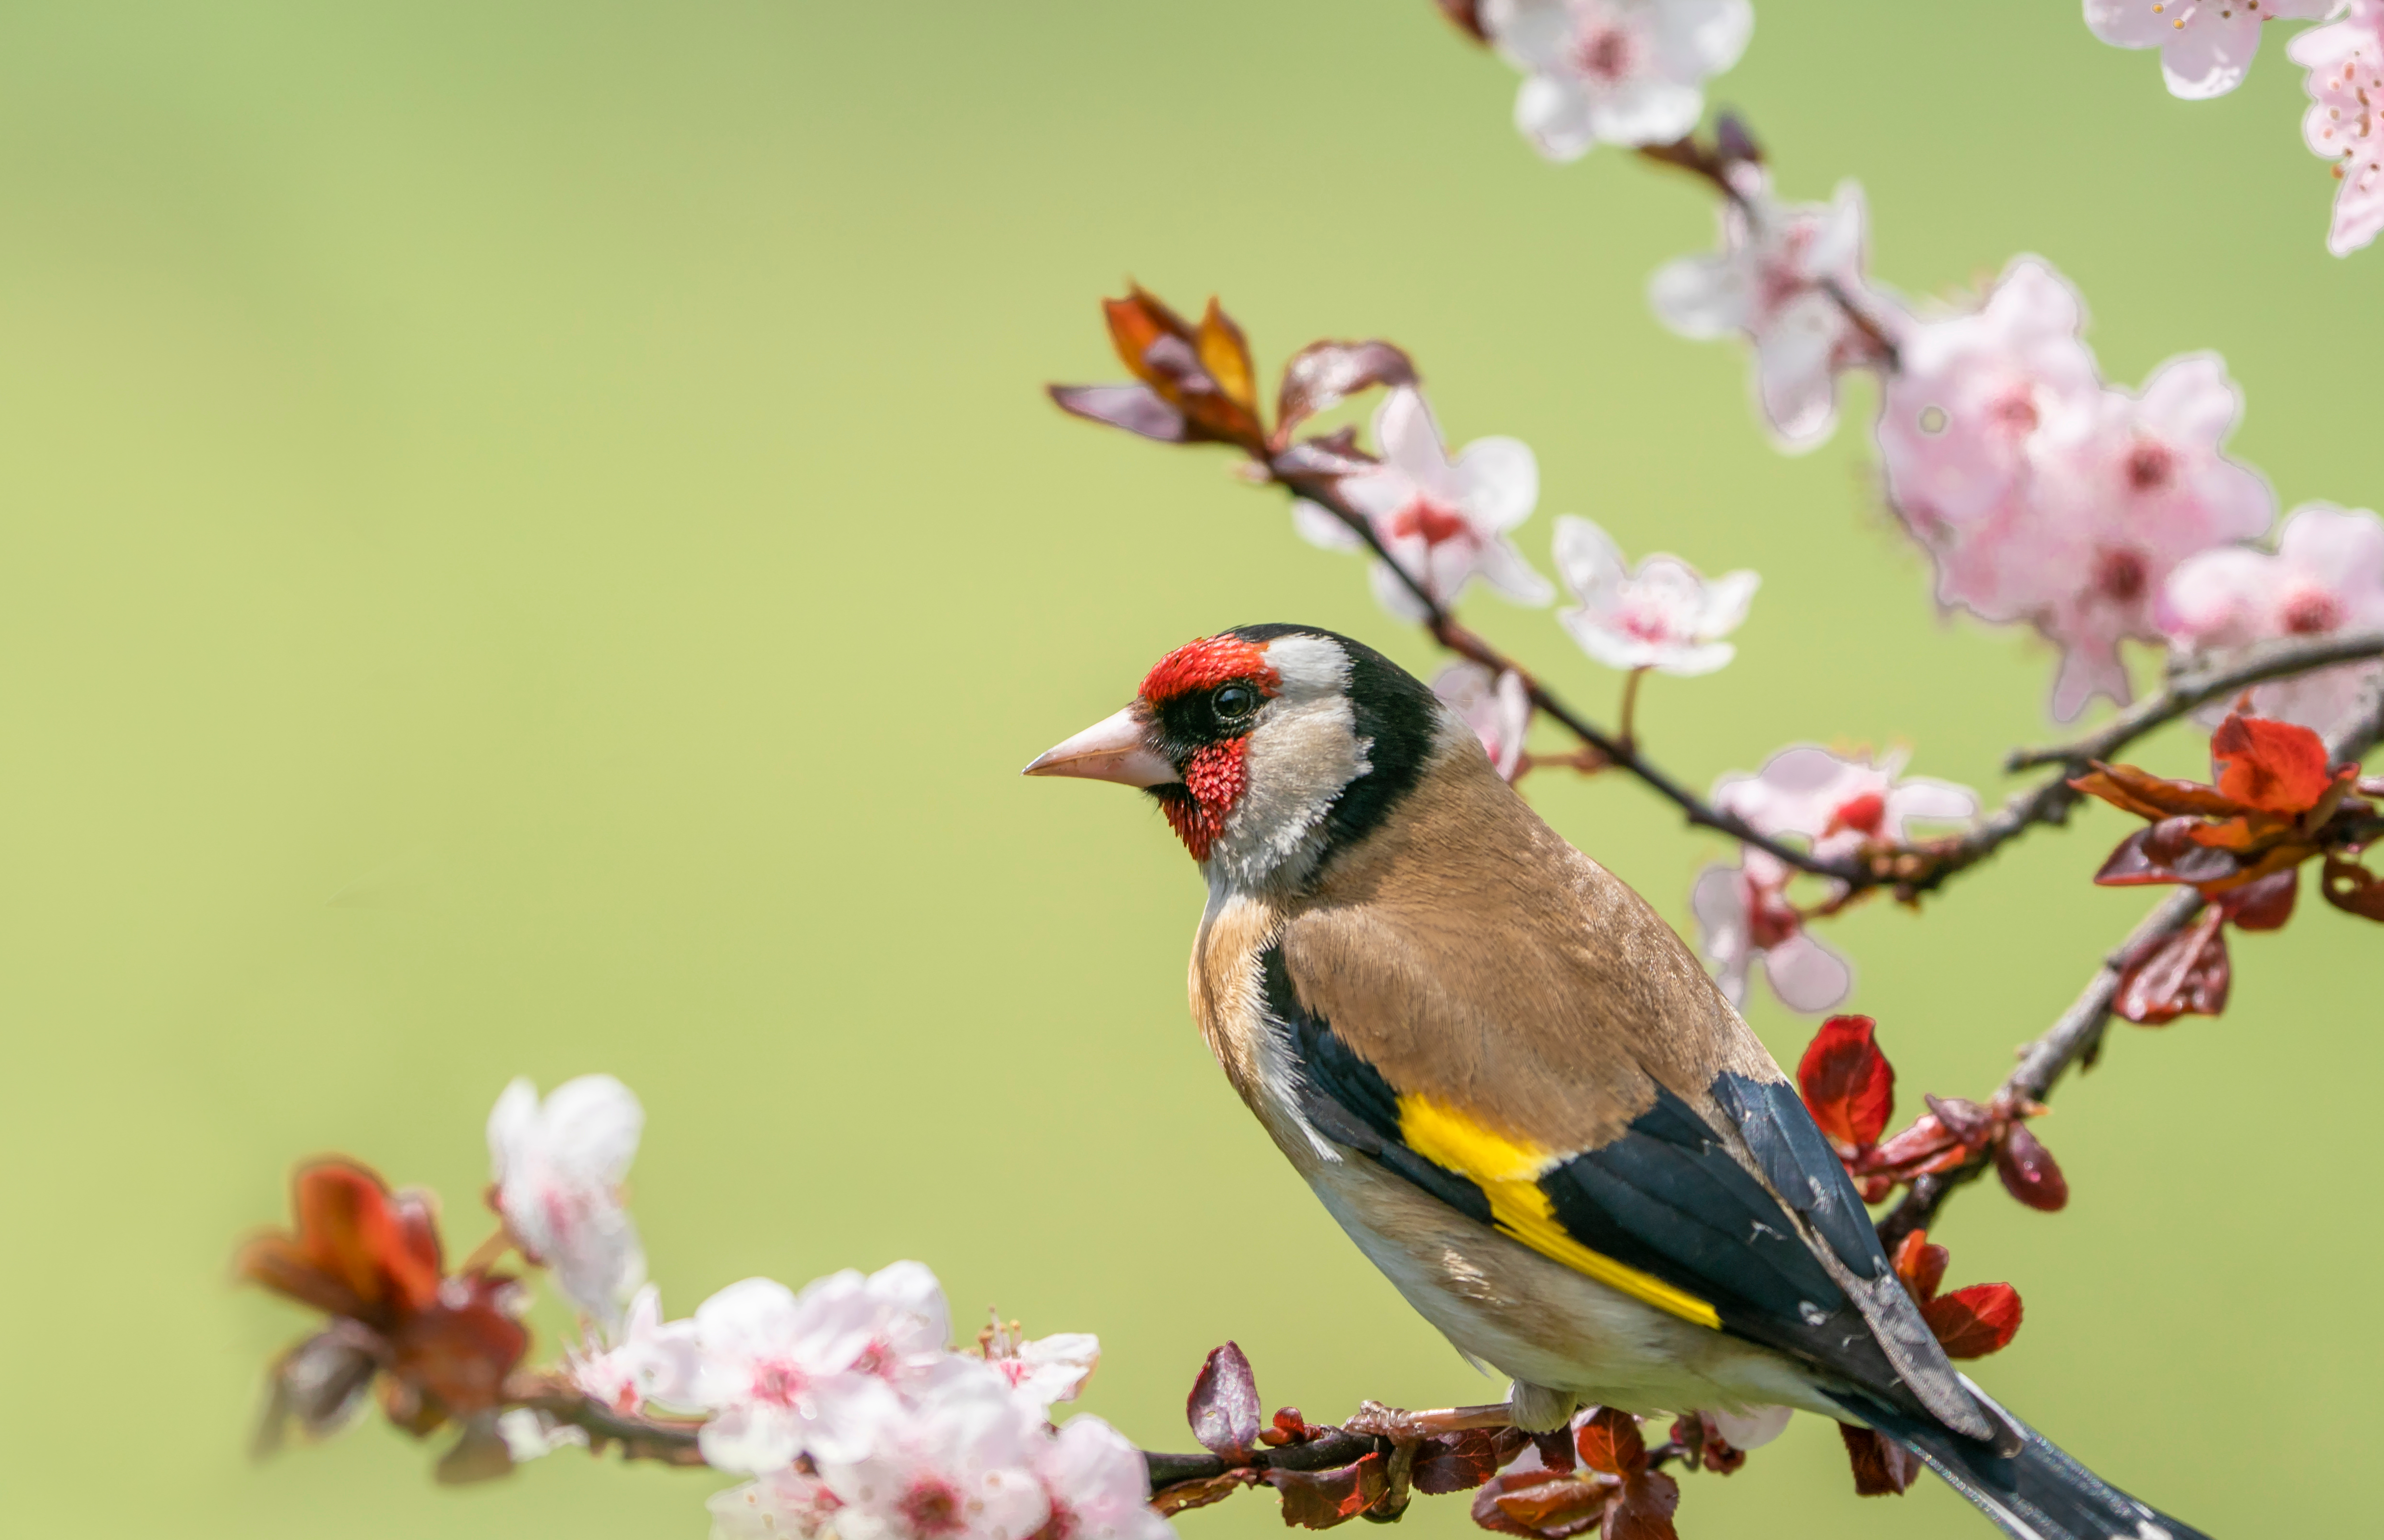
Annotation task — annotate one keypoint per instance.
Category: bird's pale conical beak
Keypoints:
(1110, 749)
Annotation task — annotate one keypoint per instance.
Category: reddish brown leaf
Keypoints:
(1733, 140)
(1536, 1503)
(1643, 1510)
(1322, 375)
(2166, 852)
(1610, 1441)
(2028, 1171)
(1927, 1146)
(1458, 1462)
(1921, 1265)
(456, 1354)
(2187, 973)
(1287, 1427)
(1466, 17)
(359, 1250)
(1223, 1405)
(1556, 1449)
(1167, 355)
(1320, 1499)
(1202, 1491)
(1135, 408)
(2352, 888)
(2150, 796)
(320, 1385)
(1225, 353)
(2265, 903)
(1972, 1322)
(2275, 767)
(480, 1455)
(1882, 1467)
(1707, 1449)
(1848, 1083)
(1336, 453)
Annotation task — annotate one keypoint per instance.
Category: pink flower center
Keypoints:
(1603, 53)
(2150, 467)
(1064, 1524)
(779, 1384)
(1436, 522)
(1012, 1370)
(875, 1359)
(1647, 623)
(1863, 814)
(1769, 921)
(933, 1506)
(2311, 612)
(2121, 576)
(2015, 412)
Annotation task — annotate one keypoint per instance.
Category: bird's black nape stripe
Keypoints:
(1396, 713)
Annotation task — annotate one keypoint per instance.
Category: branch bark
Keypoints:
(2076, 1036)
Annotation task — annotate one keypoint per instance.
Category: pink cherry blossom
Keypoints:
(1098, 1485)
(1043, 1370)
(1499, 710)
(2205, 44)
(1973, 395)
(1751, 1427)
(2326, 575)
(785, 1505)
(1661, 616)
(786, 1374)
(1621, 71)
(958, 1463)
(648, 1360)
(558, 1167)
(534, 1435)
(2346, 88)
(1443, 520)
(1770, 282)
(1745, 920)
(1840, 804)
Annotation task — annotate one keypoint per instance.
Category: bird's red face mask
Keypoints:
(1184, 739)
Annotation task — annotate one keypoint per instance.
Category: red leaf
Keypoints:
(2030, 1171)
(1921, 1265)
(1166, 353)
(1556, 1449)
(1972, 1322)
(2352, 888)
(2187, 973)
(1335, 454)
(1201, 1491)
(1925, 1146)
(1287, 1427)
(1707, 1449)
(2165, 852)
(1466, 15)
(1610, 1441)
(1320, 1499)
(358, 1250)
(1458, 1462)
(1535, 1503)
(2152, 796)
(455, 1356)
(1644, 1509)
(1322, 375)
(1882, 1467)
(1135, 408)
(1223, 1405)
(1848, 1083)
(2265, 903)
(2273, 766)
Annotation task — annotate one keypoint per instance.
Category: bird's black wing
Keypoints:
(1665, 1212)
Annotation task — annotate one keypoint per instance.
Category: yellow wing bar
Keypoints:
(1509, 1173)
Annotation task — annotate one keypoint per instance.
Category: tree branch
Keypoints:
(2075, 1039)
(1910, 870)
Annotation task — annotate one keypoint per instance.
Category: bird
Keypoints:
(1515, 1086)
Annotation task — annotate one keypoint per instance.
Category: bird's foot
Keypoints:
(1411, 1427)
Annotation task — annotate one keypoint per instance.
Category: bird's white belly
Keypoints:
(1541, 1321)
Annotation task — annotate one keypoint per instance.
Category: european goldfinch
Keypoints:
(1514, 1087)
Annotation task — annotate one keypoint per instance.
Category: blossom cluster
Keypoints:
(843, 1402)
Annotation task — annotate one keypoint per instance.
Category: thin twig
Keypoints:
(2076, 1036)
(1910, 870)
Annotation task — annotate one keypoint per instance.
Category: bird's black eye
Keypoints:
(1235, 701)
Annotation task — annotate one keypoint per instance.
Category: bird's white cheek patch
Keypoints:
(1297, 761)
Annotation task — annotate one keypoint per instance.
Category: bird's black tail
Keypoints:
(2037, 1494)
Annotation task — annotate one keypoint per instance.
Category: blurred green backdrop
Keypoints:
(533, 544)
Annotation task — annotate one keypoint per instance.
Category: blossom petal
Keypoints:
(1807, 976)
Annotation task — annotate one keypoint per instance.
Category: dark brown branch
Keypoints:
(2076, 1037)
(1919, 869)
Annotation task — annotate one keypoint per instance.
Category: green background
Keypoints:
(533, 544)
